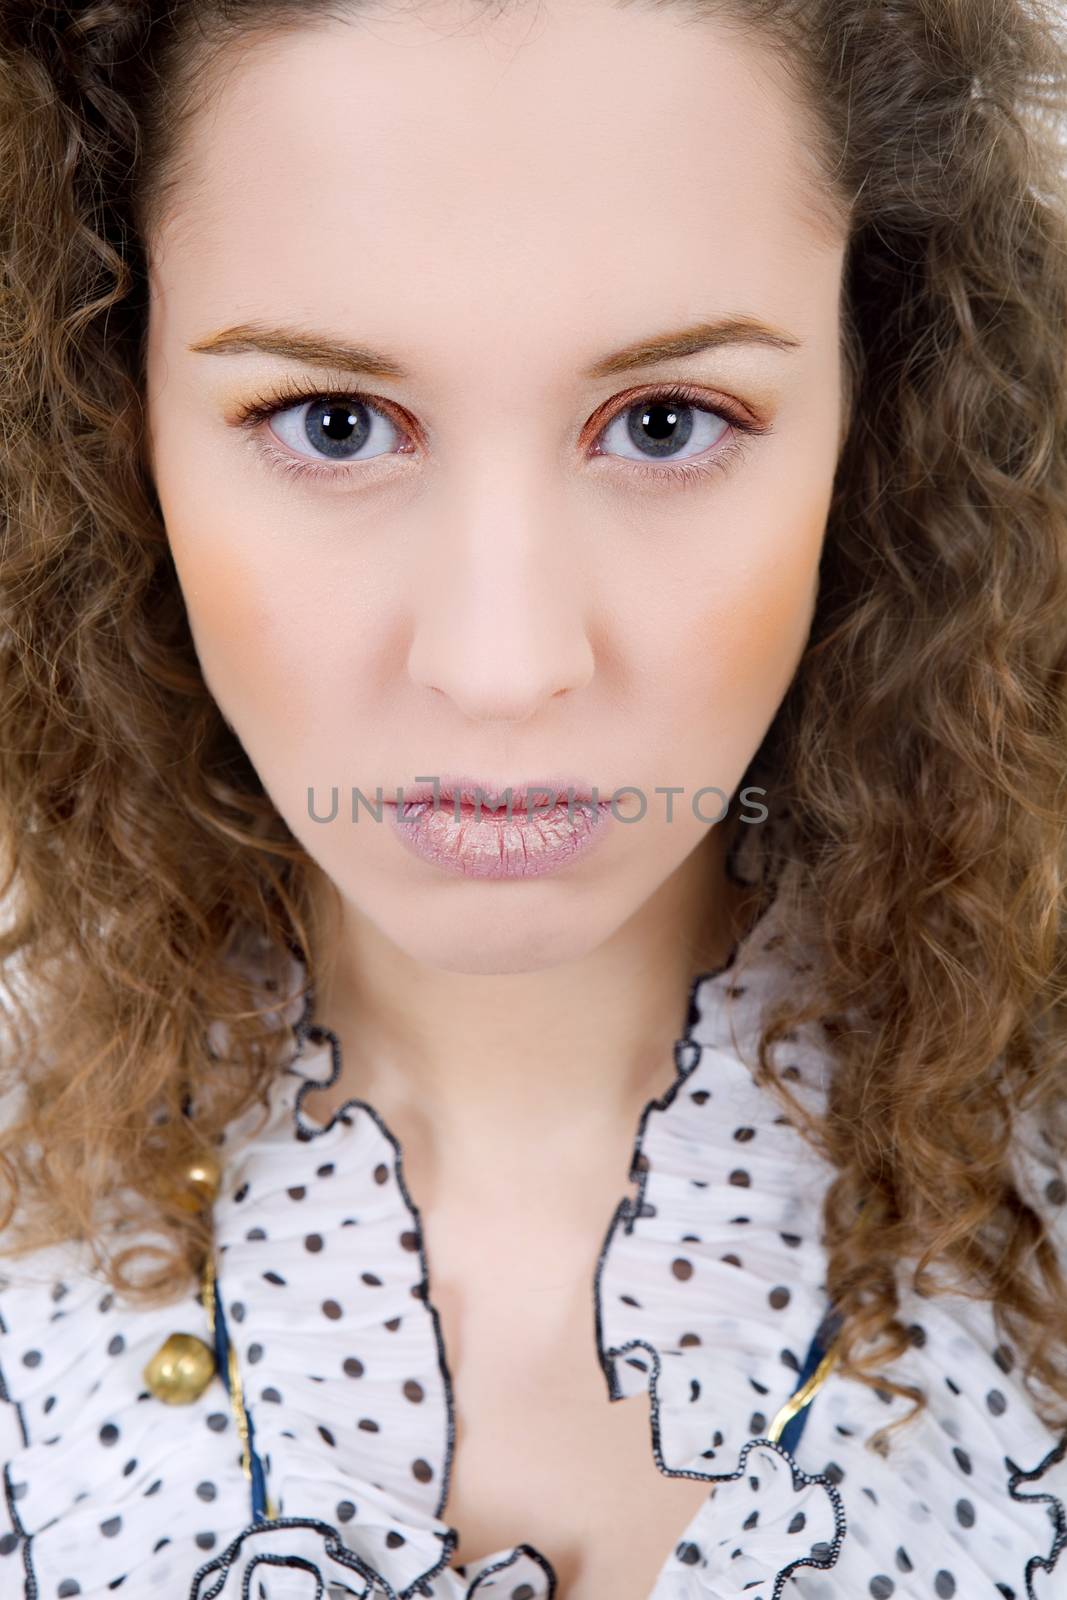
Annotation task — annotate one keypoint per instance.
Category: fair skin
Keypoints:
(497, 599)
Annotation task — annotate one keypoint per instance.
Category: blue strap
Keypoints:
(222, 1356)
(789, 1437)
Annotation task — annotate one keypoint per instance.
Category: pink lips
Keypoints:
(475, 830)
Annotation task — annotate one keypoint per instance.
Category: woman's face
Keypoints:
(493, 559)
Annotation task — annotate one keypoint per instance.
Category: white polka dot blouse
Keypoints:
(313, 1461)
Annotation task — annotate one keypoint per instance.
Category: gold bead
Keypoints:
(200, 1184)
(180, 1370)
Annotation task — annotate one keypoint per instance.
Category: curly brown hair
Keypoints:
(916, 765)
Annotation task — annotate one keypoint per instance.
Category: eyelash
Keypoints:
(290, 392)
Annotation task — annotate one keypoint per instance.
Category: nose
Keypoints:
(499, 621)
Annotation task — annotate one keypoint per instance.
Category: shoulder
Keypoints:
(968, 1498)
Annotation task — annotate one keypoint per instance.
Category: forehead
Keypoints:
(399, 164)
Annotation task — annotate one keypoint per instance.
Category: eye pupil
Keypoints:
(336, 421)
(663, 424)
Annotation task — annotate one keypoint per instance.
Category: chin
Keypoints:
(487, 940)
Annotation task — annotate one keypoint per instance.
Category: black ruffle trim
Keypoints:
(1057, 1515)
(376, 1585)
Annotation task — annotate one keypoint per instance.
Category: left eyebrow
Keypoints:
(322, 349)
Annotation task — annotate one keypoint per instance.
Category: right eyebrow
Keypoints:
(325, 349)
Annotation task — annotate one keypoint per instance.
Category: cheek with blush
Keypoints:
(735, 657)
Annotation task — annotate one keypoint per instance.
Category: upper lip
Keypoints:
(491, 794)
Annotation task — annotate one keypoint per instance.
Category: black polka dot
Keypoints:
(688, 1553)
(965, 1513)
(381, 1172)
(206, 1491)
(413, 1390)
(297, 1192)
(354, 1368)
(345, 1511)
(205, 1541)
(69, 1586)
(996, 1402)
(254, 1354)
(331, 1309)
(421, 1470)
(116, 1345)
(963, 1460)
(743, 1135)
(8, 1543)
(944, 1585)
(903, 1560)
(313, 1242)
(111, 1527)
(31, 1358)
(1004, 1357)
(108, 1433)
(682, 1268)
(740, 1178)
(779, 1297)
(881, 1587)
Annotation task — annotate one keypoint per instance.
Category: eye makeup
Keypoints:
(255, 415)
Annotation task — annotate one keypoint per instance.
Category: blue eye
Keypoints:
(660, 427)
(336, 429)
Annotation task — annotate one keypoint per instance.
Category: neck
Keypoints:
(499, 1056)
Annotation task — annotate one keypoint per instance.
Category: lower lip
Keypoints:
(492, 845)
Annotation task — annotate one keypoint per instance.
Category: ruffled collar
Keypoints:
(702, 1296)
